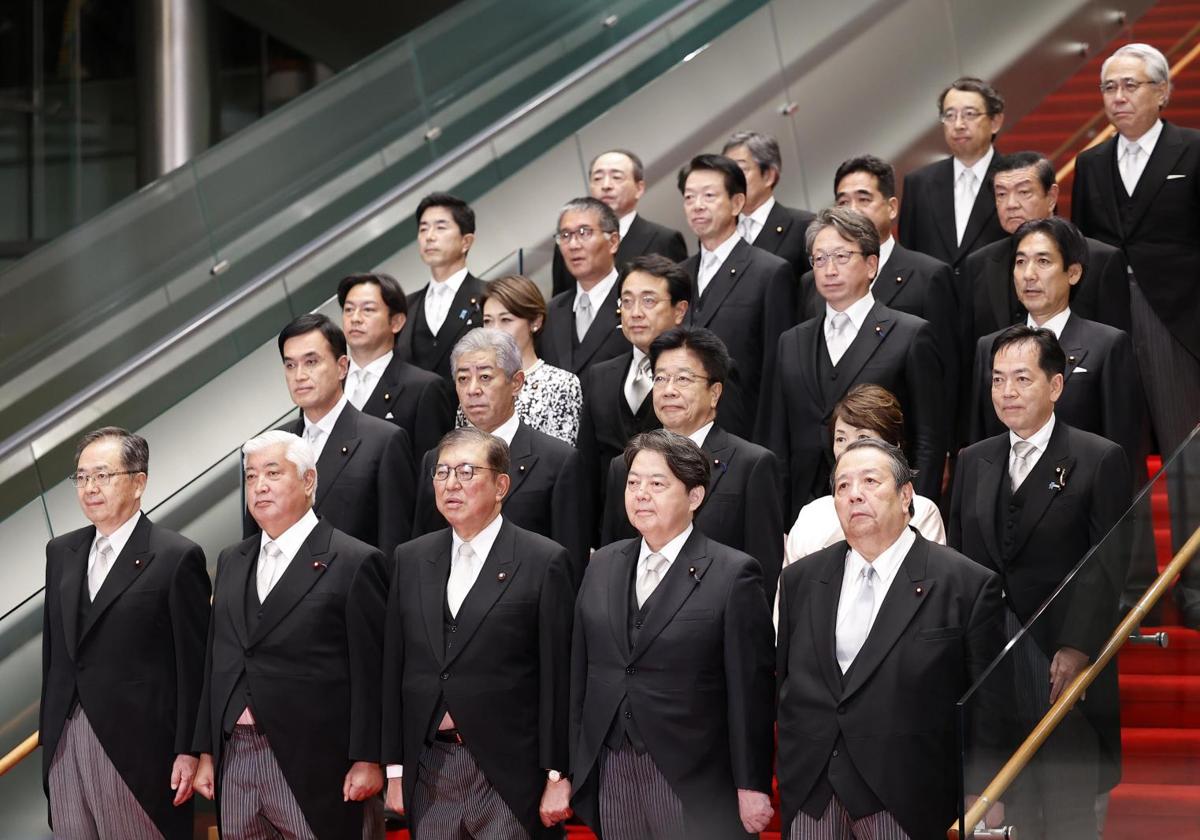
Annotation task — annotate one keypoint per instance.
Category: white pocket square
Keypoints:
(1080, 370)
(388, 416)
(1173, 177)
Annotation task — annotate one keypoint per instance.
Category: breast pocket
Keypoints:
(933, 634)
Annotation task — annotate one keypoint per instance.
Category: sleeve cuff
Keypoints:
(395, 771)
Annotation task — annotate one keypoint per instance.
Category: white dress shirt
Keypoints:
(1055, 323)
(290, 541)
(325, 425)
(117, 540)
(669, 552)
(1146, 143)
(962, 212)
(626, 222)
(507, 429)
(750, 226)
(439, 296)
(597, 294)
(712, 260)
(361, 381)
(885, 253)
(1040, 439)
(700, 435)
(857, 313)
(886, 565)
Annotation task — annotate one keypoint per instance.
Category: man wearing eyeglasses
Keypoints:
(1140, 191)
(546, 494)
(583, 324)
(855, 340)
(126, 612)
(947, 210)
(476, 661)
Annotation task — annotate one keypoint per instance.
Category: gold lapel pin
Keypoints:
(733, 271)
(899, 279)
(879, 329)
(779, 228)
(137, 562)
(387, 397)
(521, 468)
(345, 449)
(316, 565)
(691, 570)
(502, 576)
(920, 590)
(1071, 359)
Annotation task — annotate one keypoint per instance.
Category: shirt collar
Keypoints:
(723, 250)
(118, 538)
(626, 222)
(885, 253)
(326, 423)
(597, 294)
(507, 429)
(979, 167)
(1147, 141)
(1039, 439)
(481, 543)
(669, 551)
(290, 541)
(760, 215)
(1055, 324)
(700, 435)
(375, 368)
(452, 282)
(857, 310)
(887, 563)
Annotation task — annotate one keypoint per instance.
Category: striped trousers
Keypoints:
(636, 800)
(256, 801)
(453, 800)
(837, 824)
(88, 798)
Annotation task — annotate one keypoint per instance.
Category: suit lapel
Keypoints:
(891, 278)
(1167, 152)
(943, 191)
(1041, 493)
(306, 568)
(682, 579)
(822, 609)
(874, 331)
(993, 470)
(997, 292)
(982, 210)
(234, 578)
(461, 315)
(388, 390)
(497, 573)
(416, 321)
(1072, 347)
(620, 571)
(70, 587)
(774, 230)
(560, 324)
(723, 282)
(337, 452)
(720, 451)
(522, 459)
(1107, 186)
(432, 576)
(603, 324)
(135, 557)
(635, 242)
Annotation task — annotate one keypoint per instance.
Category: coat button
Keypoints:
(841, 710)
(637, 624)
(631, 670)
(453, 628)
(250, 653)
(835, 753)
(445, 675)
(629, 716)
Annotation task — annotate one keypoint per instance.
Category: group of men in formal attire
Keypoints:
(490, 630)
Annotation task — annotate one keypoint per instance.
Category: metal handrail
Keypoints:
(342, 229)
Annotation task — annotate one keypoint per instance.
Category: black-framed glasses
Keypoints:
(100, 479)
(463, 472)
(839, 257)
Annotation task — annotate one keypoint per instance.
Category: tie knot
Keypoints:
(839, 321)
(643, 369)
(1131, 151)
(466, 554)
(584, 303)
(868, 574)
(1023, 449)
(103, 546)
(271, 550)
(655, 561)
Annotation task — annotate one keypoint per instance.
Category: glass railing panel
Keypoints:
(24, 529)
(1131, 736)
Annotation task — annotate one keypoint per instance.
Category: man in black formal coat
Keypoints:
(947, 210)
(1030, 504)
(477, 661)
(365, 464)
(126, 610)
(449, 304)
(289, 721)
(546, 494)
(616, 393)
(742, 508)
(879, 637)
(764, 222)
(671, 673)
(856, 339)
(583, 325)
(1140, 191)
(618, 178)
(742, 293)
(379, 382)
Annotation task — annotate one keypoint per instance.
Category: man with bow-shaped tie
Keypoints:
(290, 713)
(122, 657)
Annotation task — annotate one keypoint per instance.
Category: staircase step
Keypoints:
(1160, 756)
(1156, 801)
(1181, 656)
(1160, 700)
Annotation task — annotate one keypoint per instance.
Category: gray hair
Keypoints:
(489, 340)
(296, 450)
(762, 147)
(587, 204)
(496, 448)
(901, 471)
(1156, 64)
(135, 452)
(850, 225)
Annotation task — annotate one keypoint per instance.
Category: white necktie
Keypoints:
(708, 268)
(855, 626)
(100, 566)
(362, 388)
(1129, 167)
(638, 387)
(437, 306)
(583, 315)
(270, 567)
(313, 434)
(648, 580)
(1021, 462)
(462, 576)
(964, 200)
(839, 336)
(748, 229)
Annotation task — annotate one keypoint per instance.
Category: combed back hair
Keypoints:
(850, 225)
(296, 450)
(315, 322)
(519, 295)
(460, 211)
(389, 289)
(1155, 62)
(135, 451)
(639, 171)
(762, 147)
(489, 340)
(684, 458)
(706, 344)
(731, 173)
(587, 204)
(993, 101)
(873, 407)
(1072, 246)
(884, 172)
(901, 471)
(1051, 358)
(679, 284)
(496, 448)
(1023, 160)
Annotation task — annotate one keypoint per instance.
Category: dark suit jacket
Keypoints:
(503, 674)
(749, 302)
(546, 494)
(742, 509)
(1161, 237)
(1059, 522)
(699, 680)
(1101, 375)
(927, 215)
(420, 402)
(895, 707)
(364, 480)
(134, 660)
(603, 340)
(644, 237)
(465, 314)
(312, 663)
(783, 236)
(893, 350)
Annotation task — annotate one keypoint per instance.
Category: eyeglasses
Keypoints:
(681, 380)
(952, 115)
(1127, 86)
(645, 301)
(839, 257)
(584, 234)
(464, 472)
(100, 479)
